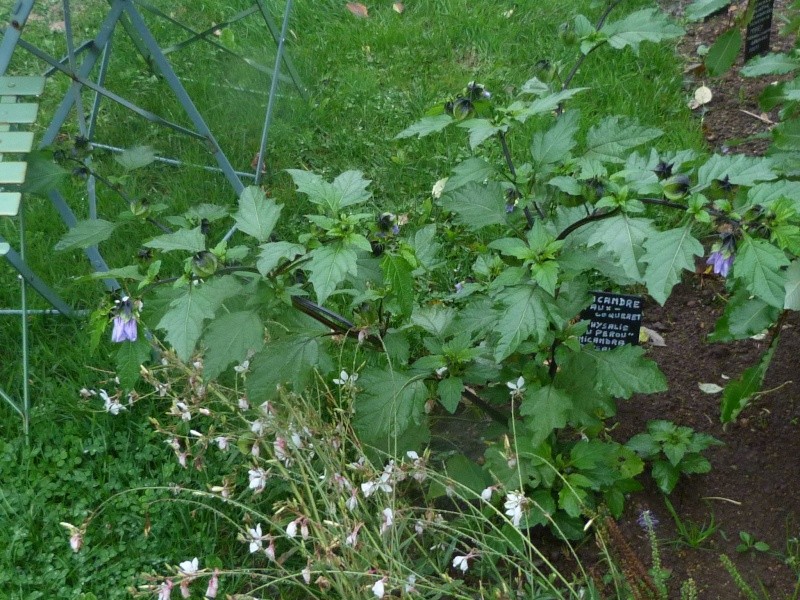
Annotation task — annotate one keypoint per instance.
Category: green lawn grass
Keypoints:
(368, 79)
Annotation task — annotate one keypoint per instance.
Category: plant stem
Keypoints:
(501, 135)
(595, 216)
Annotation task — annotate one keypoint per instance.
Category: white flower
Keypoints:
(189, 567)
(242, 368)
(111, 404)
(257, 427)
(256, 538)
(438, 188)
(460, 562)
(486, 494)
(345, 379)
(243, 403)
(270, 550)
(291, 528)
(306, 575)
(352, 502)
(222, 442)
(388, 520)
(514, 505)
(258, 479)
(352, 538)
(517, 387)
(379, 588)
(165, 590)
(409, 588)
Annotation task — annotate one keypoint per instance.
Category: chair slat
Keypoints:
(21, 112)
(16, 141)
(9, 203)
(21, 86)
(13, 172)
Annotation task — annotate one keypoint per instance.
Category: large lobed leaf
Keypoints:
(390, 403)
(623, 237)
(770, 64)
(257, 214)
(328, 267)
(86, 233)
(737, 168)
(610, 140)
(624, 371)
(425, 126)
(759, 265)
(229, 339)
(477, 205)
(189, 240)
(646, 25)
(525, 316)
(554, 145)
(667, 254)
(700, 9)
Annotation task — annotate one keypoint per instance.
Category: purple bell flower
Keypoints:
(124, 323)
(721, 262)
(721, 257)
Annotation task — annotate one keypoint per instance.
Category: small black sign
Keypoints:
(614, 320)
(757, 39)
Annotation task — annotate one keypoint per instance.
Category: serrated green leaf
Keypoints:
(352, 188)
(512, 247)
(766, 194)
(210, 212)
(425, 126)
(228, 340)
(435, 319)
(723, 52)
(130, 357)
(257, 214)
(623, 238)
(786, 135)
(86, 233)
(547, 409)
(700, 9)
(751, 317)
(646, 25)
(525, 316)
(472, 169)
(397, 274)
(521, 111)
(43, 173)
(792, 287)
(189, 240)
(665, 475)
(129, 272)
(477, 205)
(426, 248)
(390, 403)
(480, 130)
(273, 252)
(449, 392)
(770, 64)
(739, 392)
(738, 168)
(328, 267)
(624, 371)
(288, 361)
(136, 157)
(667, 254)
(758, 265)
(318, 190)
(611, 139)
(554, 145)
(183, 321)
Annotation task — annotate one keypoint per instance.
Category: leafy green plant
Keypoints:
(749, 542)
(673, 451)
(691, 533)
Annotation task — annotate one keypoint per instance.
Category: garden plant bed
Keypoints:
(755, 478)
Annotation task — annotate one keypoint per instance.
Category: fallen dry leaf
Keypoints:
(358, 9)
(399, 7)
(57, 27)
(702, 96)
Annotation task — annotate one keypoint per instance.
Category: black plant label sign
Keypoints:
(757, 39)
(614, 320)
